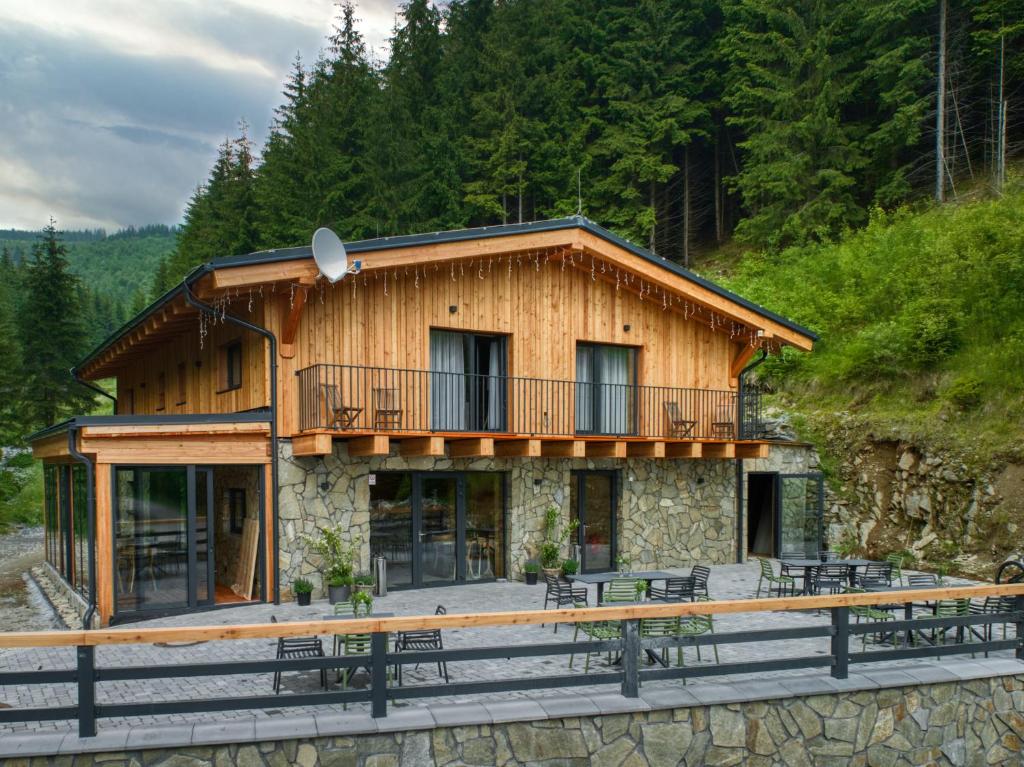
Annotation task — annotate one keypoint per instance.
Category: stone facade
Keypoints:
(976, 722)
(672, 513)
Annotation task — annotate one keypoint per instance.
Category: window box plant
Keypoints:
(530, 570)
(303, 591)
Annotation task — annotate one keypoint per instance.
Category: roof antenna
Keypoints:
(579, 191)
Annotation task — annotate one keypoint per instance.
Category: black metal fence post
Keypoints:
(841, 642)
(1019, 604)
(631, 659)
(86, 691)
(378, 674)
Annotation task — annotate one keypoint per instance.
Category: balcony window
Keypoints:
(605, 389)
(468, 381)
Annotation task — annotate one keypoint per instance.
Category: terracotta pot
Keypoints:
(552, 572)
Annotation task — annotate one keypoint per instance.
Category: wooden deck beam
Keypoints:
(524, 448)
(479, 447)
(747, 450)
(563, 448)
(605, 449)
(312, 444)
(683, 450)
(421, 446)
(719, 449)
(645, 449)
(366, 446)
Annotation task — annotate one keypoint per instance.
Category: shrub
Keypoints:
(965, 392)
(302, 586)
(570, 567)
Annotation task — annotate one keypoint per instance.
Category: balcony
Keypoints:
(354, 400)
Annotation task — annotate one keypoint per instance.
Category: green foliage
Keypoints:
(531, 567)
(555, 536)
(302, 586)
(363, 598)
(570, 567)
(337, 552)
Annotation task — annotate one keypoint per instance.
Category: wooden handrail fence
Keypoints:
(629, 645)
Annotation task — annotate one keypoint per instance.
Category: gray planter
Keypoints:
(339, 593)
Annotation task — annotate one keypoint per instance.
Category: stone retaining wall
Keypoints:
(672, 513)
(971, 722)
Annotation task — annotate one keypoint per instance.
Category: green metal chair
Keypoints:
(621, 590)
(896, 560)
(598, 631)
(660, 627)
(867, 613)
(782, 582)
(354, 644)
(948, 608)
(342, 608)
(694, 626)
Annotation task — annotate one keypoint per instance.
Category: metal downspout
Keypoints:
(272, 342)
(97, 389)
(90, 512)
(740, 503)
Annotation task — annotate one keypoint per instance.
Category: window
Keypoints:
(236, 508)
(605, 389)
(161, 391)
(231, 366)
(182, 384)
(468, 381)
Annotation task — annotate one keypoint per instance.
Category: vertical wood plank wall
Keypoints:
(545, 311)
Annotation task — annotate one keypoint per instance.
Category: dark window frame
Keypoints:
(236, 508)
(231, 359)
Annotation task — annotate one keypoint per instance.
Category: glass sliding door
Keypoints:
(164, 556)
(605, 389)
(799, 518)
(437, 528)
(468, 381)
(593, 502)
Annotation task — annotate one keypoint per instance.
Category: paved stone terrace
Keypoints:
(727, 582)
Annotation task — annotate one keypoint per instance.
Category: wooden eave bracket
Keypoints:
(292, 315)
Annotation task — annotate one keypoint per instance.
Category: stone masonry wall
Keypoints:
(672, 513)
(975, 722)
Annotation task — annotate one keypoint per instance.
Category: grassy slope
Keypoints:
(921, 318)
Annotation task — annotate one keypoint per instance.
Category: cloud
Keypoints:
(111, 111)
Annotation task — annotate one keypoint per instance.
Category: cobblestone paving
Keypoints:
(727, 582)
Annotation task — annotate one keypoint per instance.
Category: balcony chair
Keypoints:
(781, 583)
(562, 593)
(676, 590)
(723, 422)
(387, 415)
(427, 639)
(875, 574)
(298, 647)
(339, 415)
(678, 426)
(700, 575)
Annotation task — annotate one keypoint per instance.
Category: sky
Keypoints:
(111, 111)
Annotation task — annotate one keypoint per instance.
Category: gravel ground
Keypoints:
(22, 605)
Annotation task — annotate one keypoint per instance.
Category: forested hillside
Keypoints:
(679, 125)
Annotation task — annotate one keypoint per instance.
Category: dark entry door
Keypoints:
(438, 514)
(593, 501)
(800, 502)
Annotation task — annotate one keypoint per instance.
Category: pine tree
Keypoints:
(10, 352)
(162, 281)
(52, 334)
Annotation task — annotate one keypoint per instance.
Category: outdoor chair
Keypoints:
(678, 426)
(386, 411)
(429, 639)
(830, 578)
(875, 574)
(354, 644)
(298, 647)
(676, 590)
(723, 423)
(947, 608)
(562, 594)
(342, 608)
(695, 626)
(827, 556)
(651, 628)
(621, 590)
(700, 575)
(339, 415)
(922, 581)
(989, 606)
(781, 583)
(598, 631)
(896, 560)
(868, 613)
(796, 573)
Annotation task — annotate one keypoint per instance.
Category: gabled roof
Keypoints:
(451, 236)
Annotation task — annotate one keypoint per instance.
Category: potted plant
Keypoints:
(641, 589)
(337, 560)
(622, 563)
(530, 569)
(363, 583)
(555, 537)
(362, 603)
(570, 567)
(303, 591)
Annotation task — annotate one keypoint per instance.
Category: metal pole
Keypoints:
(841, 642)
(378, 674)
(86, 691)
(631, 659)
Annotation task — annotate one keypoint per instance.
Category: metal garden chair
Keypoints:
(427, 639)
(830, 578)
(597, 631)
(339, 415)
(298, 647)
(695, 626)
(676, 590)
(621, 590)
(782, 583)
(700, 575)
(562, 593)
(657, 628)
(896, 560)
(342, 608)
(875, 574)
(867, 613)
(678, 425)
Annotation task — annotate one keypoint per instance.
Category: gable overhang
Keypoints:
(575, 234)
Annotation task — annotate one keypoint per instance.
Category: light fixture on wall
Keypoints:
(320, 471)
(626, 328)
(452, 309)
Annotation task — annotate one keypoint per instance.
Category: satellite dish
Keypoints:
(329, 254)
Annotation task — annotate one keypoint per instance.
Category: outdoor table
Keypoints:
(810, 564)
(600, 579)
(908, 607)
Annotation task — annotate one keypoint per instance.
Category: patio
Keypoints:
(726, 582)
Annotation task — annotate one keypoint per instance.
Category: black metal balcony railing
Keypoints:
(374, 399)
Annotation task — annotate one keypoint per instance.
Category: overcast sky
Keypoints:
(111, 110)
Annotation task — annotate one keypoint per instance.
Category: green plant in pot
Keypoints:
(337, 560)
(570, 567)
(363, 583)
(530, 570)
(303, 590)
(555, 536)
(362, 603)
